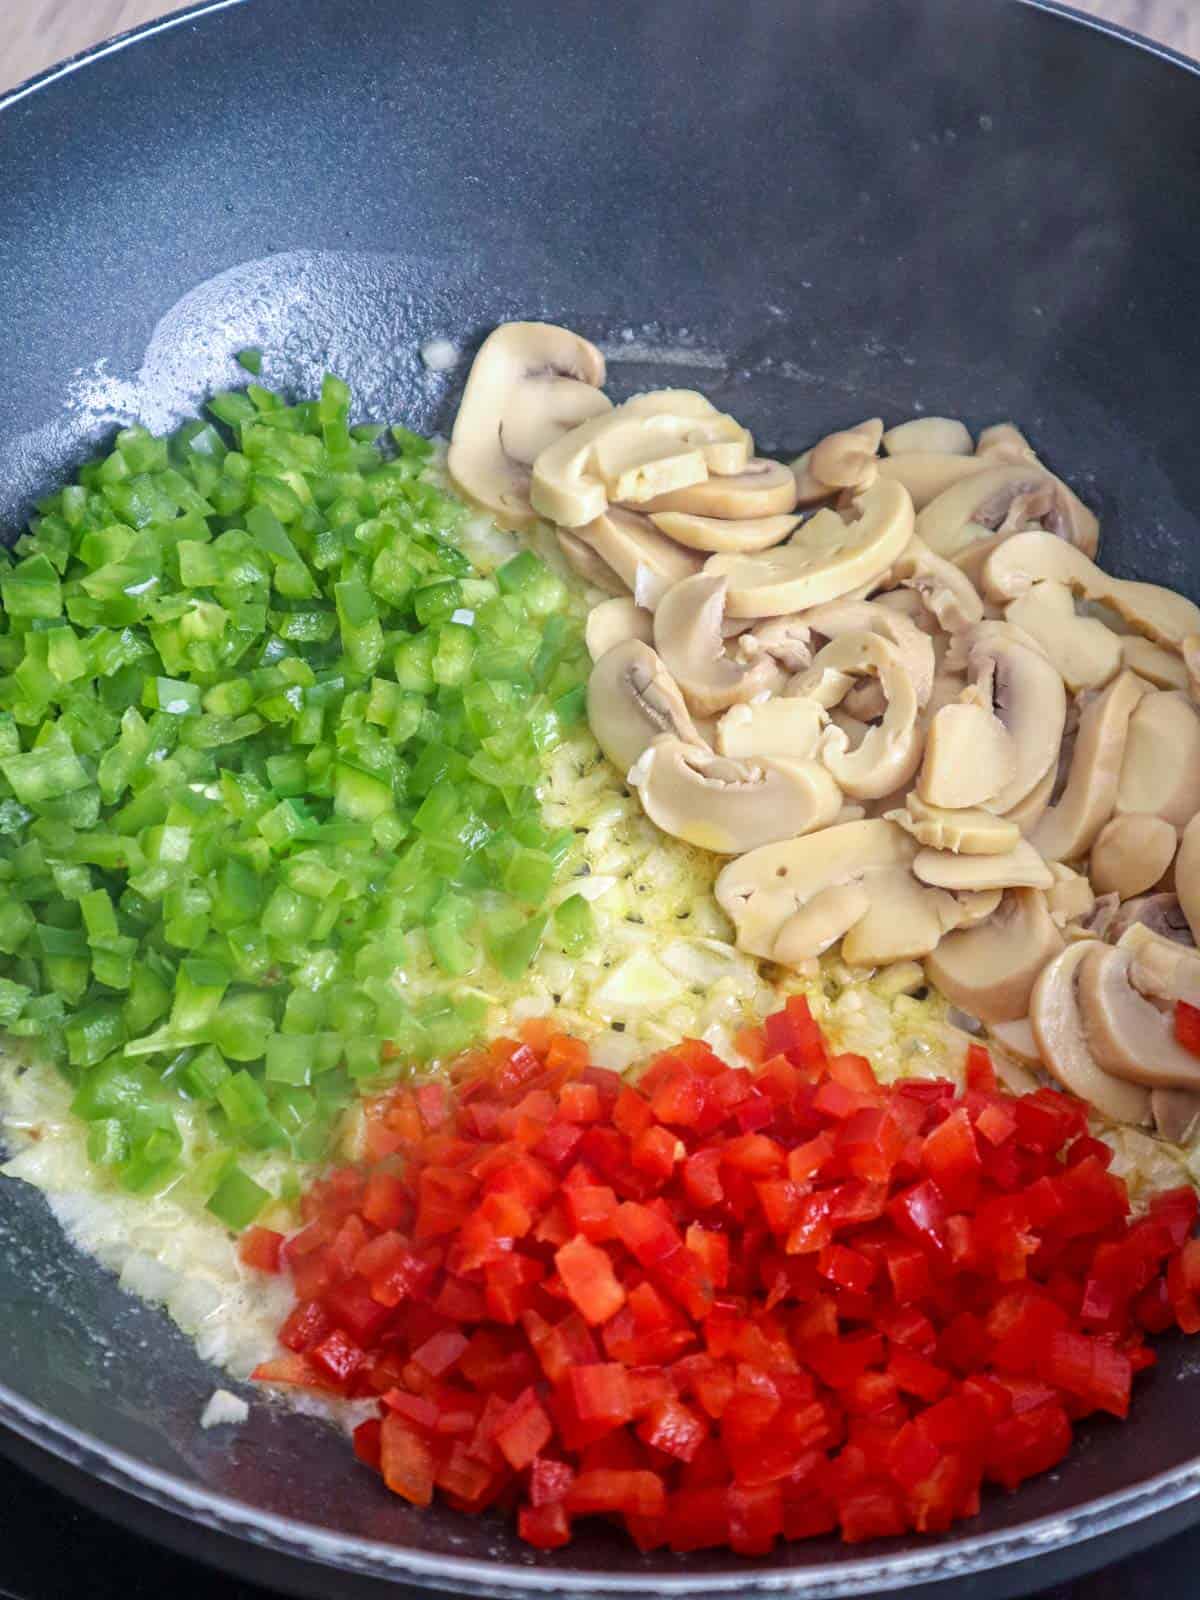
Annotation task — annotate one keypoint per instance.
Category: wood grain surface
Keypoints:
(36, 33)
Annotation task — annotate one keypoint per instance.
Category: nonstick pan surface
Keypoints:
(815, 212)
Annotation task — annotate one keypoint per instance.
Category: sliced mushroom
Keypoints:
(646, 561)
(1029, 812)
(729, 807)
(687, 635)
(1160, 968)
(1160, 769)
(779, 899)
(1017, 1040)
(1187, 876)
(848, 460)
(811, 490)
(887, 755)
(1004, 442)
(612, 622)
(928, 435)
(1128, 1036)
(1027, 696)
(824, 559)
(1084, 652)
(1174, 1112)
(529, 384)
(1130, 854)
(980, 504)
(928, 474)
(1191, 660)
(1028, 558)
(1163, 668)
(762, 489)
(1018, 868)
(722, 534)
(969, 757)
(786, 640)
(990, 970)
(584, 561)
(966, 832)
(651, 445)
(914, 647)
(944, 589)
(1071, 898)
(904, 921)
(1069, 827)
(787, 728)
(1058, 1027)
(632, 700)
(1160, 914)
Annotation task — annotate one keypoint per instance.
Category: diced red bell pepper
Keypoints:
(261, 1249)
(523, 1430)
(589, 1279)
(545, 1527)
(1187, 1026)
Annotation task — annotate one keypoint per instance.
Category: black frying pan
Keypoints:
(816, 211)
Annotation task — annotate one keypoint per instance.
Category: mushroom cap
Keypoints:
(966, 832)
(1085, 653)
(1058, 1027)
(646, 561)
(649, 446)
(1187, 876)
(928, 435)
(1069, 827)
(888, 753)
(1028, 697)
(614, 621)
(969, 757)
(776, 727)
(529, 384)
(1128, 1036)
(990, 970)
(823, 560)
(688, 637)
(1130, 854)
(730, 807)
(1018, 868)
(633, 700)
(1027, 558)
(762, 489)
(745, 536)
(763, 890)
(1160, 768)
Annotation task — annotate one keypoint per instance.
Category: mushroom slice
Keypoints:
(1069, 827)
(1191, 661)
(773, 896)
(688, 637)
(1029, 812)
(990, 970)
(1187, 876)
(1027, 696)
(1070, 898)
(982, 502)
(1058, 1027)
(823, 560)
(723, 534)
(887, 755)
(865, 616)
(966, 832)
(647, 447)
(1017, 1040)
(1130, 854)
(969, 757)
(646, 561)
(786, 640)
(1160, 968)
(632, 700)
(903, 922)
(1004, 442)
(530, 383)
(1027, 558)
(727, 806)
(928, 435)
(1160, 914)
(944, 589)
(1128, 1036)
(1085, 653)
(790, 729)
(1163, 668)
(1160, 770)
(584, 561)
(854, 449)
(612, 622)
(1174, 1112)
(762, 489)
(928, 474)
(1018, 868)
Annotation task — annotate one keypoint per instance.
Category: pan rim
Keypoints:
(957, 1558)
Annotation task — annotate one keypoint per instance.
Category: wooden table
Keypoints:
(49, 30)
